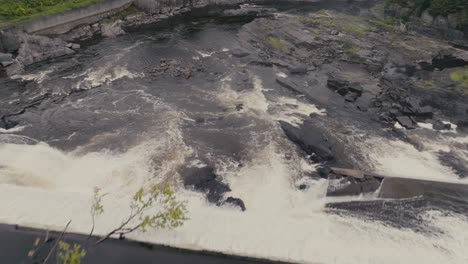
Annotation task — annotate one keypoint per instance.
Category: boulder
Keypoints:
(6, 59)
(36, 48)
(298, 69)
(351, 97)
(112, 29)
(6, 123)
(439, 125)
(205, 180)
(239, 53)
(344, 87)
(336, 84)
(425, 111)
(324, 171)
(355, 88)
(310, 139)
(9, 42)
(406, 122)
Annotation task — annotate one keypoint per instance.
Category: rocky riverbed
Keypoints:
(274, 121)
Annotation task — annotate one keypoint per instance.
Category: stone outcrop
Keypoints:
(32, 49)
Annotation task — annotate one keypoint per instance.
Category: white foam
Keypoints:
(293, 111)
(401, 159)
(38, 77)
(104, 75)
(453, 127)
(273, 109)
(284, 224)
(12, 130)
(282, 75)
(252, 100)
(205, 54)
(280, 222)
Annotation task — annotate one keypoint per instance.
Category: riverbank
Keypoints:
(15, 11)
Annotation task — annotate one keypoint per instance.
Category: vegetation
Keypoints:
(460, 77)
(456, 8)
(351, 50)
(13, 11)
(153, 207)
(356, 30)
(277, 43)
(70, 255)
(387, 24)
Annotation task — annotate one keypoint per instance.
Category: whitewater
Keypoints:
(129, 131)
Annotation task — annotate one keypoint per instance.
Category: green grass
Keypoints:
(358, 31)
(351, 50)
(277, 43)
(460, 77)
(14, 11)
(387, 24)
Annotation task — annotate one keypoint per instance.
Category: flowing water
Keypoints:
(105, 120)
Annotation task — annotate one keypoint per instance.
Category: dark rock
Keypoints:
(344, 87)
(302, 187)
(6, 123)
(425, 111)
(239, 53)
(310, 139)
(451, 160)
(336, 84)
(301, 69)
(351, 97)
(342, 91)
(406, 122)
(324, 171)
(235, 202)
(205, 180)
(362, 106)
(239, 107)
(462, 126)
(9, 42)
(355, 88)
(370, 185)
(394, 112)
(6, 59)
(289, 85)
(439, 125)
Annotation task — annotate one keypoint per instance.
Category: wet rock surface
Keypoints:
(311, 140)
(205, 180)
(229, 93)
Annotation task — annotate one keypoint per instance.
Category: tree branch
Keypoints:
(56, 243)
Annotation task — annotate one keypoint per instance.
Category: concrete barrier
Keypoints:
(64, 22)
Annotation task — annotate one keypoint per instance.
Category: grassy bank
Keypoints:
(14, 11)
